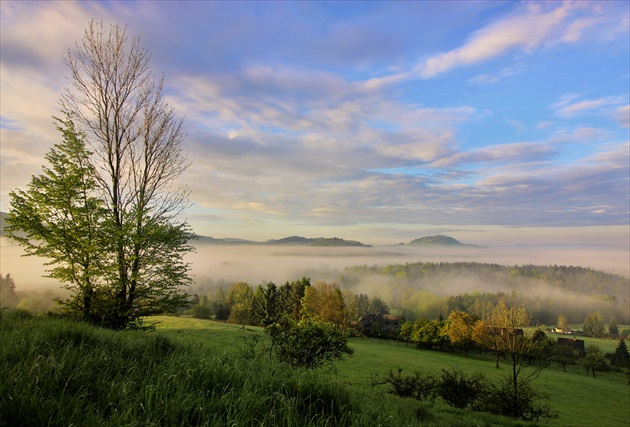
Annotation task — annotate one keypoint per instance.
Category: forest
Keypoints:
(433, 290)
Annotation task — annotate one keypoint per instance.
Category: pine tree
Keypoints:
(621, 356)
(8, 296)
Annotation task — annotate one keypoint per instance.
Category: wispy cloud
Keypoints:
(572, 105)
(531, 26)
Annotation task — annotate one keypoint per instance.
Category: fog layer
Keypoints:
(258, 264)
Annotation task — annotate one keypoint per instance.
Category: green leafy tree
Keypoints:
(429, 333)
(459, 329)
(363, 305)
(324, 302)
(307, 344)
(61, 220)
(613, 329)
(593, 326)
(241, 300)
(8, 296)
(378, 306)
(594, 360)
(114, 238)
(220, 305)
(564, 355)
(510, 321)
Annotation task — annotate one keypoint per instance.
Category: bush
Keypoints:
(523, 403)
(461, 390)
(418, 386)
(307, 344)
(472, 391)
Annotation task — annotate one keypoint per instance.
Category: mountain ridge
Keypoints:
(434, 240)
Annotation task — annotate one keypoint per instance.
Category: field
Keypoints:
(580, 400)
(195, 372)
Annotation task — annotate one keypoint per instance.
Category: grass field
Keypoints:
(54, 372)
(581, 401)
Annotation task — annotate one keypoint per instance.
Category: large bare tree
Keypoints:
(136, 142)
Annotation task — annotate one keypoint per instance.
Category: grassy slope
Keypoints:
(58, 373)
(581, 401)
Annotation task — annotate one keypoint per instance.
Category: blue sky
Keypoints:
(377, 121)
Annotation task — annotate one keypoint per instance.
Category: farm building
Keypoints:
(379, 324)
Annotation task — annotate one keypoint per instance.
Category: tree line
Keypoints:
(573, 291)
(266, 304)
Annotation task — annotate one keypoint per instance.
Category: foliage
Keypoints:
(524, 403)
(562, 322)
(266, 305)
(473, 391)
(8, 296)
(564, 355)
(461, 390)
(429, 333)
(613, 329)
(594, 360)
(105, 216)
(307, 343)
(418, 386)
(459, 328)
(324, 302)
(593, 326)
(605, 292)
(621, 356)
(241, 299)
(61, 220)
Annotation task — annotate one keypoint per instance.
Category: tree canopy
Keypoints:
(104, 210)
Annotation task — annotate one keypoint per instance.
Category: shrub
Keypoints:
(522, 402)
(307, 344)
(417, 385)
(461, 390)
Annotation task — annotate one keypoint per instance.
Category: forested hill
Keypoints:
(429, 289)
(580, 280)
(287, 241)
(437, 240)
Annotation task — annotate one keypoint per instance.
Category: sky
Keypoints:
(491, 122)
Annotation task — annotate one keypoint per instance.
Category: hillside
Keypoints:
(286, 241)
(438, 240)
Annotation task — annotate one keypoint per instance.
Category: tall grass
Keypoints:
(54, 372)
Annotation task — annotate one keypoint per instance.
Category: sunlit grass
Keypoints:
(199, 372)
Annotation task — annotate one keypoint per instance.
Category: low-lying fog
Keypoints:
(258, 264)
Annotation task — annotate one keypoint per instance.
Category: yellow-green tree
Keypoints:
(509, 325)
(324, 302)
(459, 329)
(241, 299)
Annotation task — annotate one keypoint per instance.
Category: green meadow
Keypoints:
(579, 400)
(54, 372)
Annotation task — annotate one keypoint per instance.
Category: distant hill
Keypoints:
(227, 241)
(438, 240)
(286, 241)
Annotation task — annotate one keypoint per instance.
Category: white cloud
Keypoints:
(571, 105)
(526, 29)
(529, 27)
